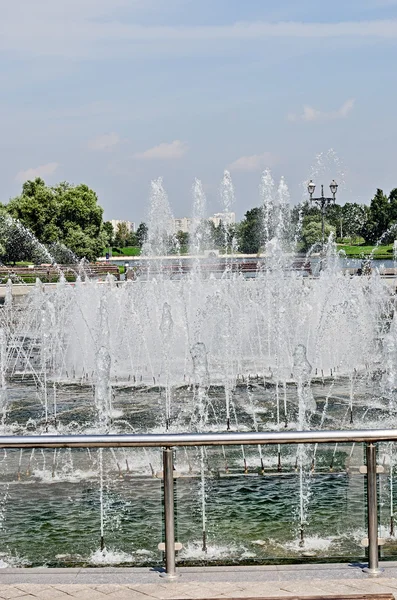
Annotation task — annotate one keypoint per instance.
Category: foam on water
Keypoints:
(313, 543)
(13, 561)
(194, 551)
(57, 476)
(114, 557)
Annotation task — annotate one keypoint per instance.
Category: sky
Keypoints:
(114, 93)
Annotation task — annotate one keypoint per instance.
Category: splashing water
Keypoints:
(204, 351)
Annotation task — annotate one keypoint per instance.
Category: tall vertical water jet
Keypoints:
(101, 500)
(227, 192)
(45, 356)
(203, 500)
(103, 361)
(201, 384)
(283, 225)
(266, 190)
(161, 227)
(302, 370)
(103, 390)
(8, 321)
(198, 233)
(227, 201)
(389, 379)
(166, 328)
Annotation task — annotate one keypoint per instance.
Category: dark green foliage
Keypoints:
(251, 232)
(378, 217)
(141, 234)
(108, 229)
(123, 235)
(64, 214)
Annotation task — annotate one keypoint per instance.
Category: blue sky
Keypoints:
(116, 92)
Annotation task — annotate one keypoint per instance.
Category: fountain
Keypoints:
(198, 352)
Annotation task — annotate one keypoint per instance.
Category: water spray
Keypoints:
(331, 466)
(301, 535)
(203, 505)
(19, 465)
(102, 519)
(54, 459)
(30, 463)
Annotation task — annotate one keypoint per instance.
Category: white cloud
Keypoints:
(104, 142)
(41, 171)
(256, 162)
(313, 114)
(164, 151)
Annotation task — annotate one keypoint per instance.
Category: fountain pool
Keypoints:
(199, 353)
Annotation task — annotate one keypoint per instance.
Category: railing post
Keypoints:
(372, 512)
(169, 517)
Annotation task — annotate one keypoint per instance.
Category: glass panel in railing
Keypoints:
(387, 498)
(253, 505)
(71, 507)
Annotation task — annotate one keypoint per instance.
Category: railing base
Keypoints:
(169, 576)
(373, 572)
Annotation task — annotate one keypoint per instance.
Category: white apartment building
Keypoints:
(227, 218)
(184, 224)
(130, 225)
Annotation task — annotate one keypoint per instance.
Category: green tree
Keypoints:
(64, 214)
(141, 234)
(250, 232)
(122, 234)
(305, 212)
(37, 209)
(312, 233)
(378, 217)
(17, 243)
(393, 206)
(353, 220)
(109, 231)
(333, 215)
(132, 240)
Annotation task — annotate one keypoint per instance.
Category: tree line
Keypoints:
(67, 224)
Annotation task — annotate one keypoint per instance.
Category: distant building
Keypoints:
(130, 225)
(227, 218)
(184, 224)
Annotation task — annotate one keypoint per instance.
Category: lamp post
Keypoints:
(322, 202)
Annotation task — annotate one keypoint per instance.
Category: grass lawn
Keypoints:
(359, 251)
(128, 251)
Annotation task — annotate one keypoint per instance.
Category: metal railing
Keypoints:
(167, 441)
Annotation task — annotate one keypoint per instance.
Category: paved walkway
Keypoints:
(194, 583)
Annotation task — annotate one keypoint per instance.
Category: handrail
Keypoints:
(169, 440)
(161, 440)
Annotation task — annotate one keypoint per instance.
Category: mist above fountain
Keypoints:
(156, 331)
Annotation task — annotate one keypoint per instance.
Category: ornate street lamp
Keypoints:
(322, 202)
